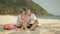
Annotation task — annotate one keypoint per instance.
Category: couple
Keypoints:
(26, 20)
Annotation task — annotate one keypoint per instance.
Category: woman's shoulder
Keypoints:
(18, 15)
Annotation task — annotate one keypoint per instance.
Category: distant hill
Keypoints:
(11, 7)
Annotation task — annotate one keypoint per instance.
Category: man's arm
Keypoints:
(35, 18)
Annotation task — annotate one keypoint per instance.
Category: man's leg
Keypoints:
(34, 25)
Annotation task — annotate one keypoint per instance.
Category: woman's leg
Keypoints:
(25, 24)
(19, 25)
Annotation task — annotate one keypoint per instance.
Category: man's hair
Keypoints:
(26, 9)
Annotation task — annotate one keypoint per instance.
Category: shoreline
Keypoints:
(4, 19)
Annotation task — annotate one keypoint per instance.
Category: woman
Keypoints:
(21, 20)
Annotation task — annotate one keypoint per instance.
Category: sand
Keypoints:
(46, 26)
(13, 19)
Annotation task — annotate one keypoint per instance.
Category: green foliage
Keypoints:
(11, 7)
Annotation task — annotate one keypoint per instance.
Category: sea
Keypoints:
(50, 17)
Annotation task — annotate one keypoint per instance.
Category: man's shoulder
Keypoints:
(32, 14)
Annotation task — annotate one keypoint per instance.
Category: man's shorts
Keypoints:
(29, 26)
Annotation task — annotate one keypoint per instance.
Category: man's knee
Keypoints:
(36, 21)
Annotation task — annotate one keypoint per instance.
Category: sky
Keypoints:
(52, 6)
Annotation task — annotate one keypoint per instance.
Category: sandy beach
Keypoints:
(46, 26)
(13, 19)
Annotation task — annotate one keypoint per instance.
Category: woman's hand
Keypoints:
(30, 19)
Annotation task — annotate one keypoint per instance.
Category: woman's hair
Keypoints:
(21, 11)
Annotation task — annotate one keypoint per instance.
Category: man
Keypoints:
(32, 20)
